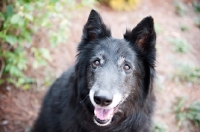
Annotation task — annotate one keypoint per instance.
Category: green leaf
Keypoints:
(1, 81)
(11, 39)
(2, 36)
(26, 86)
(9, 11)
(184, 28)
(27, 36)
(21, 66)
(196, 5)
(21, 23)
(45, 53)
(28, 16)
(45, 22)
(35, 64)
(2, 18)
(11, 80)
(53, 1)
(42, 62)
(21, 80)
(15, 19)
(7, 68)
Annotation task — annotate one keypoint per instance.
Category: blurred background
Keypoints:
(38, 41)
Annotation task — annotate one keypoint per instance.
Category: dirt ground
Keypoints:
(18, 108)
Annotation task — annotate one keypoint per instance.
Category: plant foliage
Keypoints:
(180, 45)
(19, 20)
(187, 72)
(189, 112)
(159, 127)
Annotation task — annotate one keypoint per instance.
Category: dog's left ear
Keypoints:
(143, 36)
(95, 28)
(143, 40)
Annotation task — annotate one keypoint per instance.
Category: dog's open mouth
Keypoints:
(102, 116)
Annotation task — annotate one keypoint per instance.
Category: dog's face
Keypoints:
(111, 77)
(117, 71)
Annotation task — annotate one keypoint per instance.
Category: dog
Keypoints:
(110, 88)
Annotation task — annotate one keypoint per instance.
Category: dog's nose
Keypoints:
(103, 99)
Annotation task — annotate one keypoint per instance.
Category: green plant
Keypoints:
(184, 28)
(179, 45)
(19, 20)
(189, 112)
(197, 22)
(180, 7)
(159, 127)
(196, 5)
(187, 72)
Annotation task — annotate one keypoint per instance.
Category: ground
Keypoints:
(19, 108)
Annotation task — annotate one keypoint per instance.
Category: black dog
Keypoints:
(110, 87)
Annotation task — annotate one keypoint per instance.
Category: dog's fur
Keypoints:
(110, 87)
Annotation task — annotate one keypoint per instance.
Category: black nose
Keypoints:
(102, 100)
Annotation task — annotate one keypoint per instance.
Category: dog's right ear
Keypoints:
(95, 28)
(143, 36)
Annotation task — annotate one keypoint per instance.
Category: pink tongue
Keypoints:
(103, 114)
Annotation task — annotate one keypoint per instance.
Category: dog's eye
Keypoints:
(126, 67)
(96, 63)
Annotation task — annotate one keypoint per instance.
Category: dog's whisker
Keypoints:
(84, 99)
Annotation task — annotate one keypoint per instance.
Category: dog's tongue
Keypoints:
(103, 114)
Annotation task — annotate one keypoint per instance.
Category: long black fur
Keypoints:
(67, 107)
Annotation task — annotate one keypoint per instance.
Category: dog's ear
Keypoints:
(143, 40)
(95, 28)
(143, 36)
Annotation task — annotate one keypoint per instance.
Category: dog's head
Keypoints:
(115, 72)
